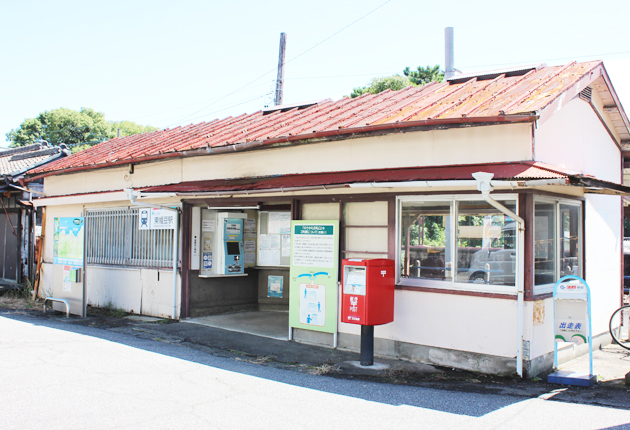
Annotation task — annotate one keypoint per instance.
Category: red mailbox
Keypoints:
(368, 291)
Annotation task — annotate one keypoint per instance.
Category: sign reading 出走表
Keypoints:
(571, 312)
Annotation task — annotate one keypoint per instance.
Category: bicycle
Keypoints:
(619, 326)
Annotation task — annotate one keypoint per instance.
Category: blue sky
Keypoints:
(166, 63)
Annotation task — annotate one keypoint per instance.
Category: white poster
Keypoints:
(67, 286)
(265, 241)
(208, 225)
(314, 246)
(250, 225)
(312, 304)
(250, 258)
(269, 257)
(274, 241)
(279, 223)
(286, 245)
(250, 245)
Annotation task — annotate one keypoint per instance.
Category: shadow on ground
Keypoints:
(320, 368)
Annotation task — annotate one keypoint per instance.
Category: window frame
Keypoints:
(452, 284)
(126, 250)
(557, 201)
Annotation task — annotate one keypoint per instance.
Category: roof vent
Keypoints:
(299, 106)
(491, 74)
(586, 94)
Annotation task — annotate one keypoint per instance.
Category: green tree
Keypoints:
(127, 128)
(424, 75)
(377, 85)
(419, 77)
(78, 130)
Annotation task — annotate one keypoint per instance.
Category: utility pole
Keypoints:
(280, 80)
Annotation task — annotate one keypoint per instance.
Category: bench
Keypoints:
(65, 302)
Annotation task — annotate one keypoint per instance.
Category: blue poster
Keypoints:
(274, 286)
(68, 241)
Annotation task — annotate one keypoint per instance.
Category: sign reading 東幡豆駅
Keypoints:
(313, 275)
(155, 219)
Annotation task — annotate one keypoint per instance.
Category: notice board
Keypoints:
(313, 275)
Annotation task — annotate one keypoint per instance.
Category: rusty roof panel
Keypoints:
(477, 97)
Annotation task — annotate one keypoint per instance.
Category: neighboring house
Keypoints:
(17, 215)
(474, 279)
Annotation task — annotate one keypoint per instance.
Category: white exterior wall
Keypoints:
(576, 139)
(136, 290)
(603, 241)
(430, 148)
(462, 323)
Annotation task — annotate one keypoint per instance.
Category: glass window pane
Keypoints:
(569, 240)
(544, 243)
(425, 240)
(486, 243)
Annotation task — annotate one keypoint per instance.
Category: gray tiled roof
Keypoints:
(15, 161)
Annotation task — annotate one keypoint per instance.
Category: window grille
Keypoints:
(113, 238)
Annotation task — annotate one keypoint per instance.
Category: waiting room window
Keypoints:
(425, 248)
(456, 242)
(486, 244)
(557, 242)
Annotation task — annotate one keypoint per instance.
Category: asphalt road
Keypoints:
(56, 375)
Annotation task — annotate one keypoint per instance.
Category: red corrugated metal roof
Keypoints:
(507, 171)
(500, 98)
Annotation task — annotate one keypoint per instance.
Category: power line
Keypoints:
(226, 108)
(297, 56)
(550, 59)
(334, 34)
(193, 104)
(339, 76)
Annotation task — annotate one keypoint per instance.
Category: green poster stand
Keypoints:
(313, 276)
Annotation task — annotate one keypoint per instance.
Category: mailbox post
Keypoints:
(367, 298)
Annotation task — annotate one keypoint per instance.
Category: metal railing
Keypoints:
(113, 238)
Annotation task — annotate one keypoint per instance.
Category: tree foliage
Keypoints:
(378, 85)
(424, 75)
(77, 129)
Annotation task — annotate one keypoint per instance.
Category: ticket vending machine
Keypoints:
(367, 298)
(222, 250)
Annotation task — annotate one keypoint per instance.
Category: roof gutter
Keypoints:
(408, 184)
(460, 183)
(246, 146)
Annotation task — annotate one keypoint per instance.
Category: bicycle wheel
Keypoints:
(619, 326)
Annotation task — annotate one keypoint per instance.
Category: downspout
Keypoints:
(131, 194)
(483, 184)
